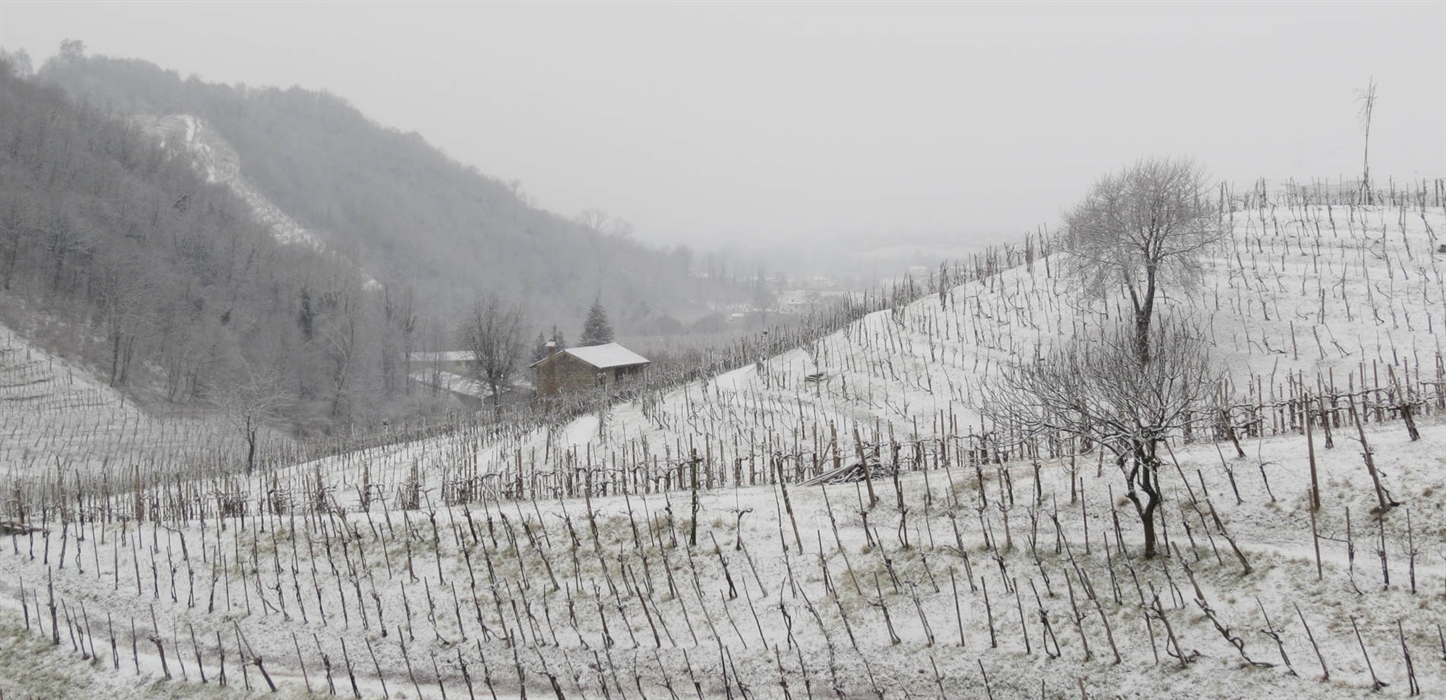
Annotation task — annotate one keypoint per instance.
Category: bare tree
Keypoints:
(124, 285)
(400, 324)
(604, 224)
(1101, 391)
(255, 400)
(1143, 230)
(1367, 100)
(338, 329)
(493, 332)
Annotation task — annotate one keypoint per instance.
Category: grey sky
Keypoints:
(706, 122)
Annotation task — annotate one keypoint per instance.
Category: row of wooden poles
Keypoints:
(751, 459)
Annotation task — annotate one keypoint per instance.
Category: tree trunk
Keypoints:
(1144, 305)
(10, 257)
(126, 355)
(115, 355)
(250, 451)
(1147, 519)
(1143, 476)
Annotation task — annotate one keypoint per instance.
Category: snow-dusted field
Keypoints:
(56, 418)
(1319, 300)
(621, 599)
(567, 567)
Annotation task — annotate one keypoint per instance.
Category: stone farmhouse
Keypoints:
(581, 368)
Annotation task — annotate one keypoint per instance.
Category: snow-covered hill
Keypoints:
(58, 421)
(211, 155)
(1326, 300)
(992, 582)
(579, 561)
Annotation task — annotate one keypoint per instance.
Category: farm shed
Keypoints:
(575, 369)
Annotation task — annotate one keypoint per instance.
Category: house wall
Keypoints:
(563, 372)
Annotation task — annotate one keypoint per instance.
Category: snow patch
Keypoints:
(214, 157)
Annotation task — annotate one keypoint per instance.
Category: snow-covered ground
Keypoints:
(1320, 299)
(966, 579)
(622, 599)
(56, 419)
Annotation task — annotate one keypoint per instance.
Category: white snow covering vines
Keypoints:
(962, 573)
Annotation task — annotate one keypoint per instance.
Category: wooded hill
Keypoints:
(118, 251)
(407, 212)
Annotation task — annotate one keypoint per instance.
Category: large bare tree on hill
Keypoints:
(1100, 390)
(1143, 230)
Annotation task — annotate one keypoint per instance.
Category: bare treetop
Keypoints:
(1142, 231)
(493, 332)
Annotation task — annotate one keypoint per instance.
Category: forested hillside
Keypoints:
(116, 252)
(289, 287)
(402, 208)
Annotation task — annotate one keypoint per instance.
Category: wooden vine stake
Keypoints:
(1383, 502)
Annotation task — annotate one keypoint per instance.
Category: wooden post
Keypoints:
(1310, 452)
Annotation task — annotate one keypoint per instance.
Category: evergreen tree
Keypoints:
(539, 347)
(596, 330)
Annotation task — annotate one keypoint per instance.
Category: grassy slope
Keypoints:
(30, 669)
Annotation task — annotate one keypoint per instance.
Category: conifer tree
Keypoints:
(596, 330)
(539, 347)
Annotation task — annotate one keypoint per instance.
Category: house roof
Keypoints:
(454, 383)
(604, 356)
(447, 356)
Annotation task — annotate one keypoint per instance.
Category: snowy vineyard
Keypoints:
(692, 536)
(998, 580)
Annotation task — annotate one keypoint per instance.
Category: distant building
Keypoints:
(453, 372)
(576, 369)
(470, 392)
(455, 361)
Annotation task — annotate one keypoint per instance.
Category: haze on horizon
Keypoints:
(772, 122)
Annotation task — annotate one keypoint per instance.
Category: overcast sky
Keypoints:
(704, 122)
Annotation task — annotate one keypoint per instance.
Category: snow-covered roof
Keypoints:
(607, 356)
(447, 356)
(454, 383)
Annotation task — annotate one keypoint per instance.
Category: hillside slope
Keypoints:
(407, 213)
(1327, 300)
(576, 559)
(58, 420)
(988, 581)
(218, 161)
(123, 257)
